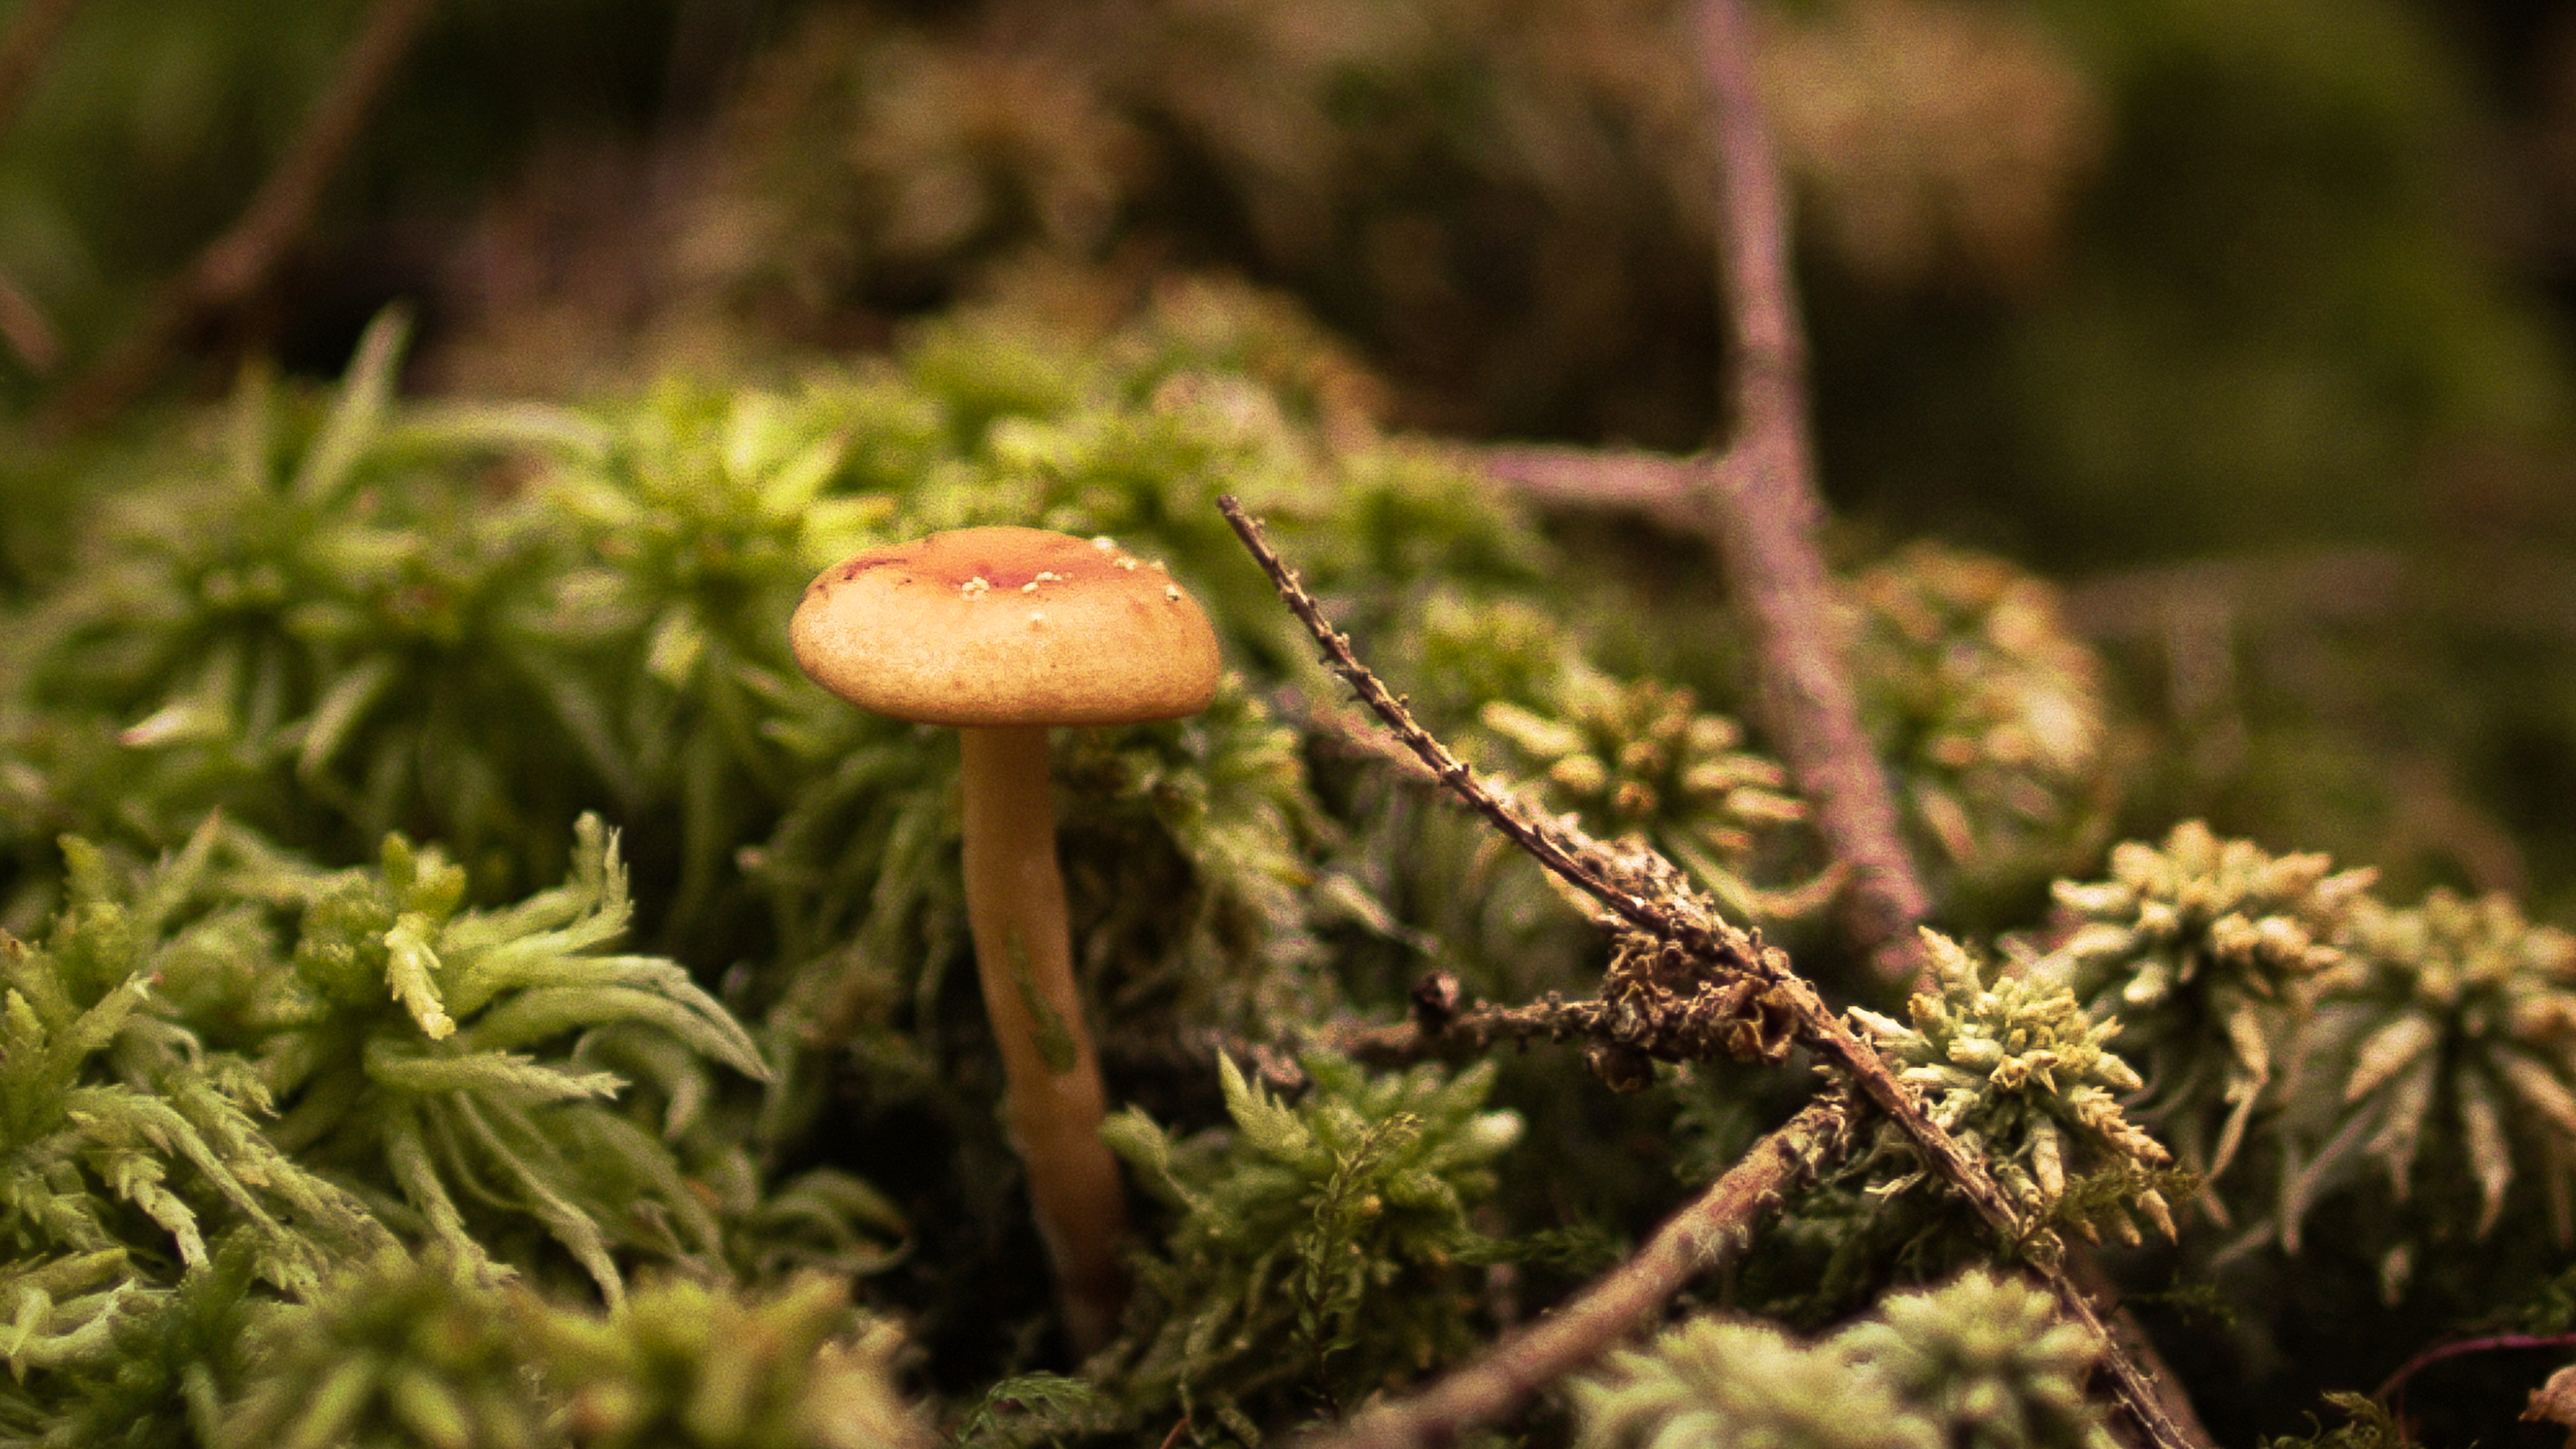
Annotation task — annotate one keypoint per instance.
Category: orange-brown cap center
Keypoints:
(1006, 626)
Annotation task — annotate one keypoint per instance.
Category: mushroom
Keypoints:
(1004, 632)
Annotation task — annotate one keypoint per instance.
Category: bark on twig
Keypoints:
(1649, 483)
(1703, 1236)
(1641, 892)
(1764, 498)
(26, 329)
(234, 266)
(1756, 503)
(2487, 1343)
(1545, 843)
(1470, 1033)
(24, 49)
(1760, 495)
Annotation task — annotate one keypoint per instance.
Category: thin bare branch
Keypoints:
(1644, 892)
(24, 326)
(2487, 1343)
(1635, 892)
(2086, 1269)
(1761, 501)
(1472, 1031)
(1757, 505)
(237, 264)
(1477, 1030)
(1657, 486)
(24, 49)
(1703, 1236)
(1762, 497)
(1542, 840)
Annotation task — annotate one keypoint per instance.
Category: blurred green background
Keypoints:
(2248, 321)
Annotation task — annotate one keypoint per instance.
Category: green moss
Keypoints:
(1316, 1251)
(344, 695)
(1980, 1361)
(2204, 941)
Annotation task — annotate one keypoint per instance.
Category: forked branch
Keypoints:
(1761, 500)
(1643, 892)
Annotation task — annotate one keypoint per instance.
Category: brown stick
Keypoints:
(1657, 486)
(235, 265)
(1763, 502)
(1640, 891)
(24, 49)
(1763, 511)
(24, 326)
(1702, 1236)
(1469, 1033)
(1549, 847)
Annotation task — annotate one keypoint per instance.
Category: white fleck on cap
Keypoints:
(901, 631)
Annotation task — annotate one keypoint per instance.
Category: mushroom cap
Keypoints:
(1006, 626)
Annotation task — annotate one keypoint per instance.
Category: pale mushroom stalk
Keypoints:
(1055, 1100)
(1002, 632)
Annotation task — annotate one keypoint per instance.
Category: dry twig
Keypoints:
(237, 264)
(1761, 499)
(1703, 1236)
(1471, 1032)
(25, 47)
(1756, 503)
(1643, 892)
(1554, 477)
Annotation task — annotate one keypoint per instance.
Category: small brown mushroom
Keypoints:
(1004, 632)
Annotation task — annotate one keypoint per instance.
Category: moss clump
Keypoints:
(2010, 1064)
(1982, 1361)
(1315, 1251)
(2450, 1024)
(1989, 712)
(2203, 940)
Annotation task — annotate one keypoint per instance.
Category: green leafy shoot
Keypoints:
(104, 1101)
(1741, 1385)
(1989, 710)
(399, 1350)
(2367, 1425)
(1987, 1358)
(1315, 1247)
(2449, 1024)
(1640, 758)
(682, 1362)
(1025, 1407)
(436, 1052)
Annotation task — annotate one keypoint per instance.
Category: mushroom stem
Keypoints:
(1054, 1103)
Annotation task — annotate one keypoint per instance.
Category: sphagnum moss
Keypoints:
(1989, 711)
(2450, 1024)
(1641, 758)
(1981, 1362)
(2010, 1064)
(470, 623)
(1317, 1249)
(2204, 941)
